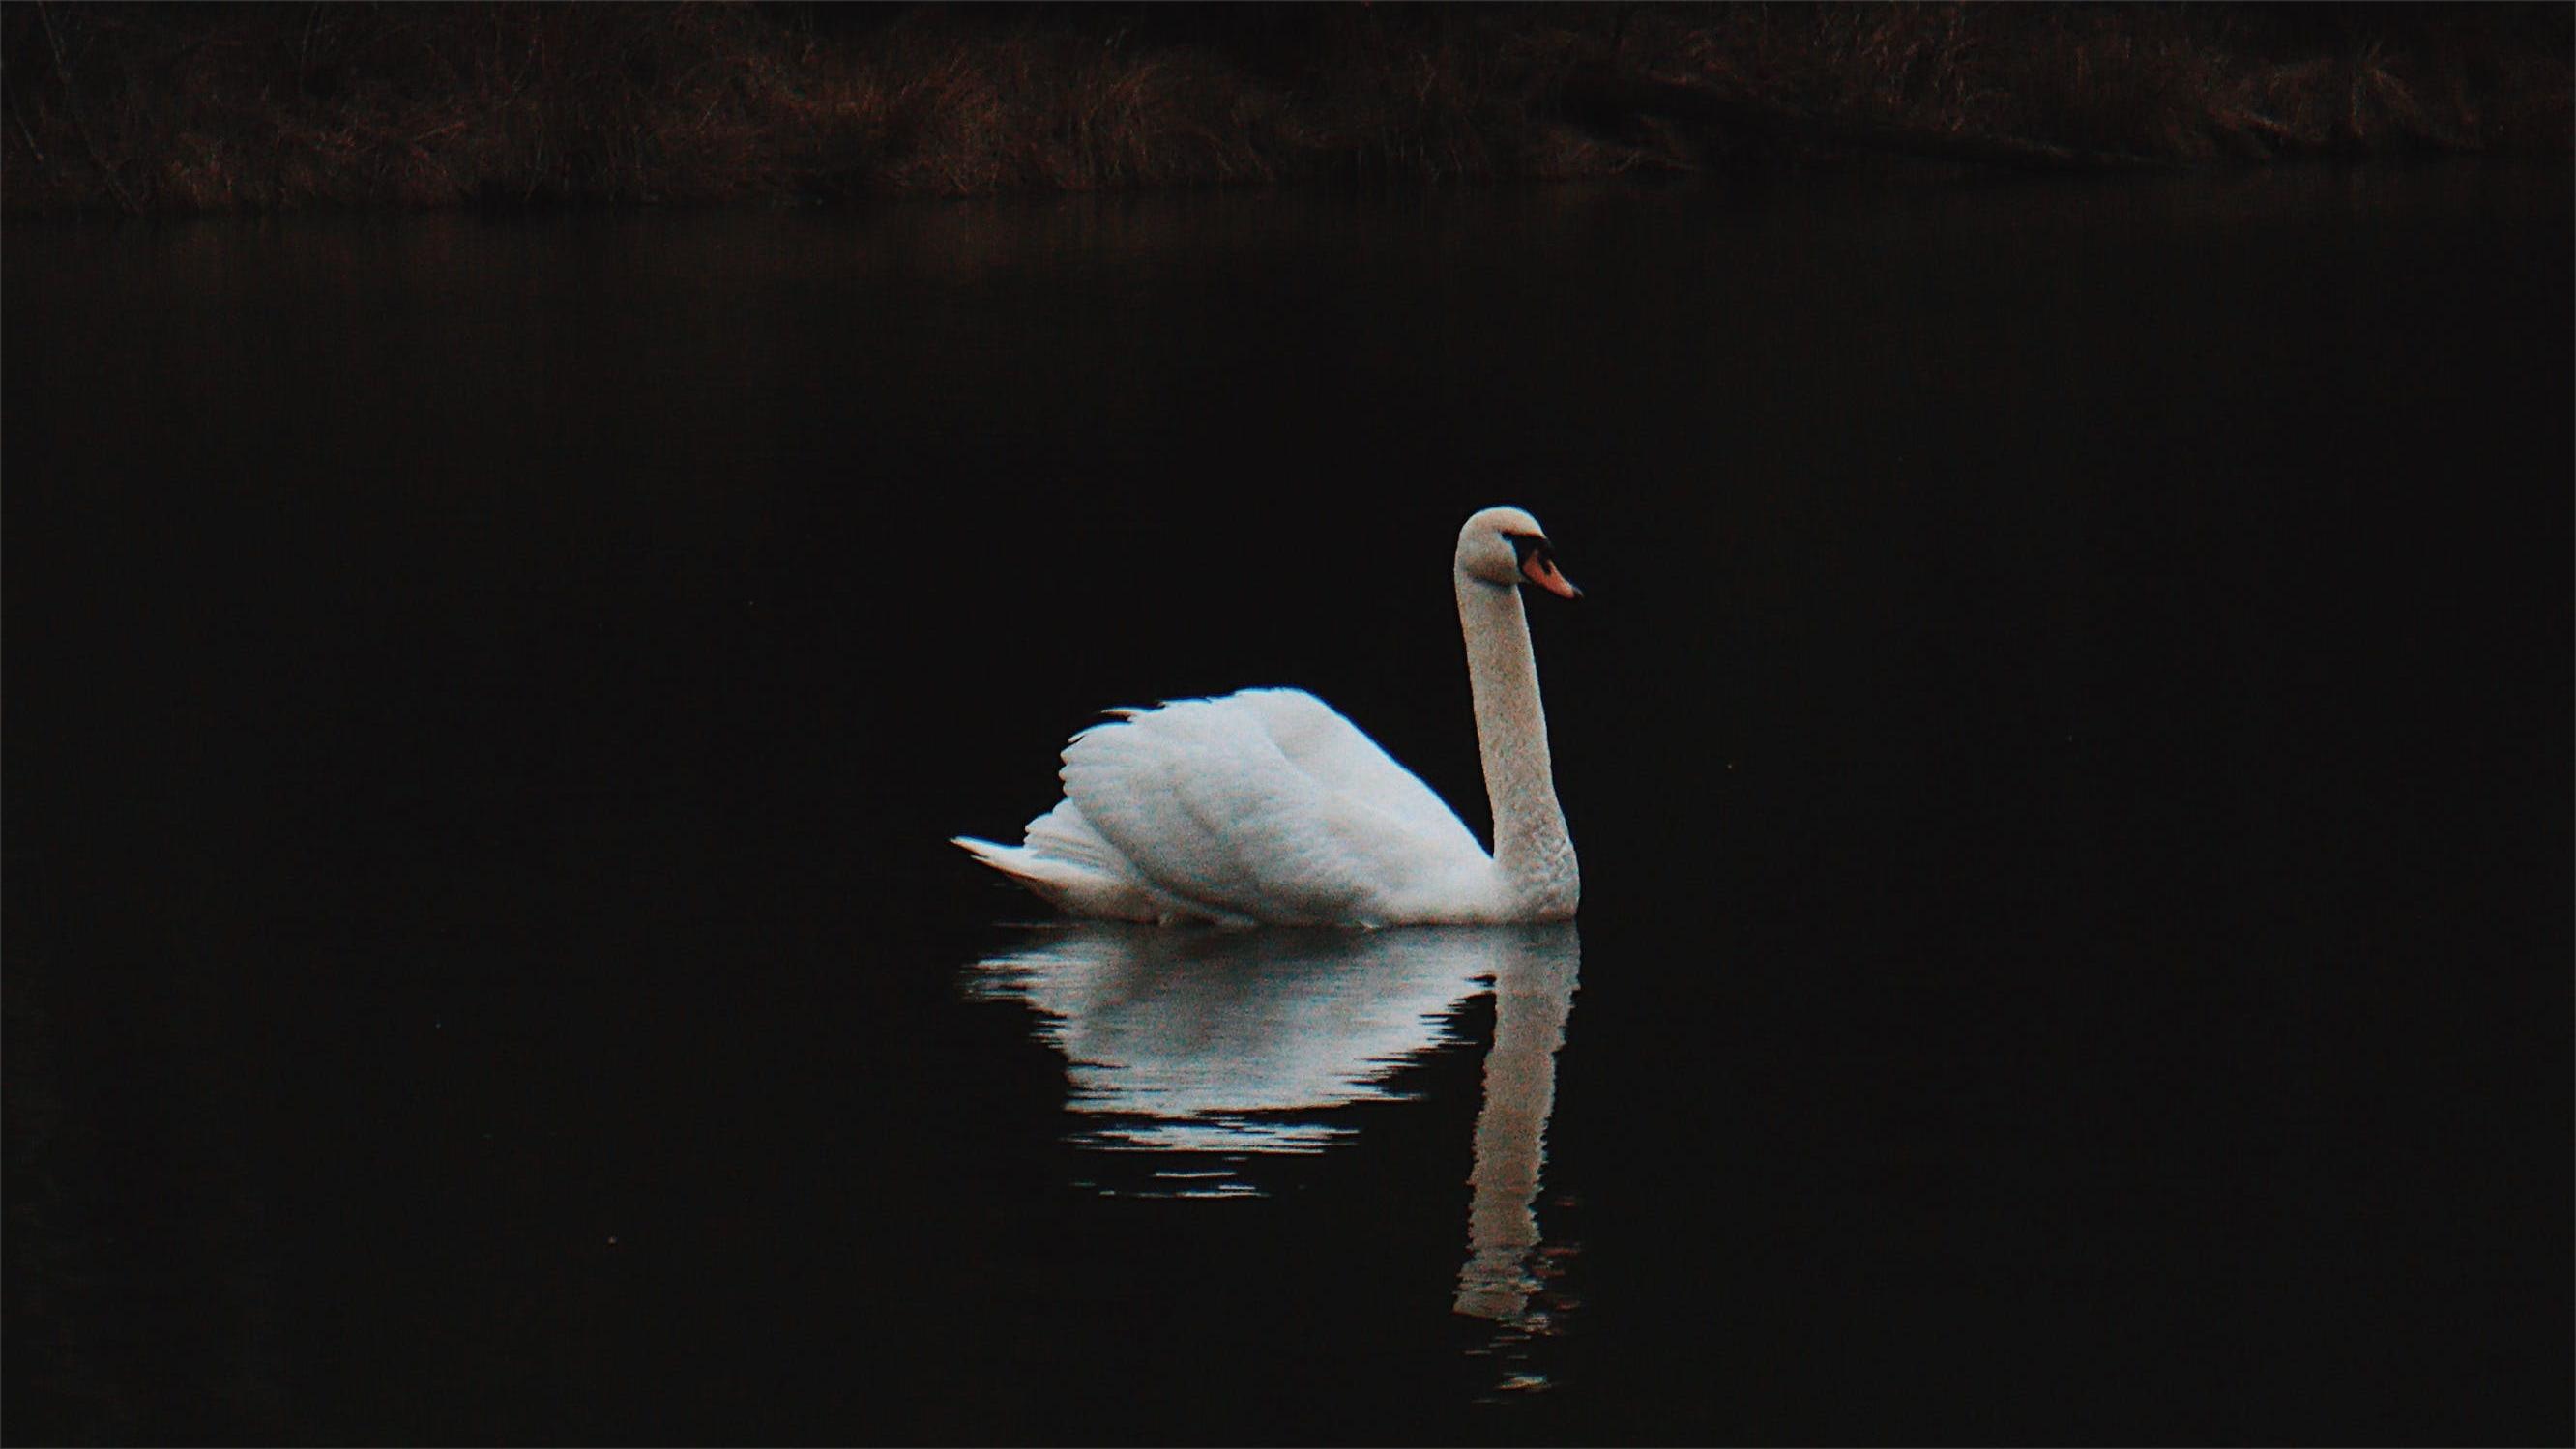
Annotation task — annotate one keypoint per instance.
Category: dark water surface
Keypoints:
(2069, 737)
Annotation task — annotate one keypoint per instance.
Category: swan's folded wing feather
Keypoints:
(1321, 741)
(1271, 808)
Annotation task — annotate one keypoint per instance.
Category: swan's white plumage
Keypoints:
(1266, 806)
(1261, 806)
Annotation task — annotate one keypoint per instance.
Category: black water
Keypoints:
(2068, 735)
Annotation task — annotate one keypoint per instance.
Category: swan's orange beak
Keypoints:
(1540, 568)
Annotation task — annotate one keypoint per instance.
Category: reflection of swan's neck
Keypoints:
(1531, 851)
(1533, 993)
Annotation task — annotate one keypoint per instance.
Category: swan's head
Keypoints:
(1505, 546)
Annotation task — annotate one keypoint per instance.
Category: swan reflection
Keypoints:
(1214, 1047)
(1533, 995)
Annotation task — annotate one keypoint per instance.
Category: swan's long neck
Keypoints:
(1531, 851)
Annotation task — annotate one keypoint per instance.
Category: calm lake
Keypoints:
(2068, 736)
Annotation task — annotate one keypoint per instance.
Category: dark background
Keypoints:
(2068, 734)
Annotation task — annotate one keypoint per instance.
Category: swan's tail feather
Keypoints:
(1067, 864)
(1067, 887)
(989, 852)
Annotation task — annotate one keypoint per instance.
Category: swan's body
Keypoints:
(1268, 807)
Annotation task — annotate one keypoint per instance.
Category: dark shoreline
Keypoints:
(149, 110)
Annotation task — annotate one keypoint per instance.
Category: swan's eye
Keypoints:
(1537, 563)
(1527, 549)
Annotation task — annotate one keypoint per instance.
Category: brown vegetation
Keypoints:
(267, 107)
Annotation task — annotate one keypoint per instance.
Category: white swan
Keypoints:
(1267, 807)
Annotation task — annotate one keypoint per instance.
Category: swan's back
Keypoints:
(1317, 739)
(1262, 806)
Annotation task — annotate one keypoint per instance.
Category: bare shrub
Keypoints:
(271, 107)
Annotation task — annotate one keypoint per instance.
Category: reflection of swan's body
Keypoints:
(1266, 806)
(1215, 1046)
(1233, 1040)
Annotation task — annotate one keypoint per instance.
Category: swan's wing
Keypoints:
(1265, 805)
(1317, 739)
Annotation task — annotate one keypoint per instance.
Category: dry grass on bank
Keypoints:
(153, 109)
